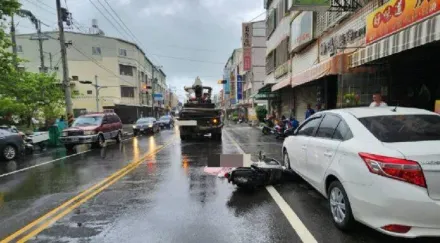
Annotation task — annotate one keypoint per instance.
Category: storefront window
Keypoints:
(357, 88)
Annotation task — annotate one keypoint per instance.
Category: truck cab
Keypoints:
(199, 116)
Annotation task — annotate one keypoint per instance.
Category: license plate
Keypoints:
(74, 139)
(187, 123)
(141, 129)
(241, 179)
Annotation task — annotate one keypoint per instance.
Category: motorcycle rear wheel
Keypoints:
(266, 131)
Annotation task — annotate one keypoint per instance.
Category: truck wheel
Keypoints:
(217, 136)
(69, 147)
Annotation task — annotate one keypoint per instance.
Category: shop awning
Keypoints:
(282, 83)
(417, 35)
(266, 88)
(265, 93)
(334, 65)
(264, 96)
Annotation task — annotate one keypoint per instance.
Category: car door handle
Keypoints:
(328, 154)
(303, 147)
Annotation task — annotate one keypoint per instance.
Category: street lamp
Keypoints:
(97, 88)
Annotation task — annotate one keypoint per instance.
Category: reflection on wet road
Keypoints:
(164, 197)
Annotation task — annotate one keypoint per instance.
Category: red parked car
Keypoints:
(93, 128)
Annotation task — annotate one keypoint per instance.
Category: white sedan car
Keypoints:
(377, 166)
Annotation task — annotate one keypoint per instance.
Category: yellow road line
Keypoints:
(71, 208)
(109, 179)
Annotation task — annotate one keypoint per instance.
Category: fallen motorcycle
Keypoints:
(267, 171)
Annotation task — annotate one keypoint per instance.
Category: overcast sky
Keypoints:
(189, 38)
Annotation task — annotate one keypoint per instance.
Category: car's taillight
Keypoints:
(395, 168)
(396, 228)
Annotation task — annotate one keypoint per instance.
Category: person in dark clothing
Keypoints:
(319, 107)
(294, 123)
(309, 111)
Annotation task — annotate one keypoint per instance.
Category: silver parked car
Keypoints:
(11, 145)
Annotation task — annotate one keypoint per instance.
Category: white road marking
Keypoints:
(44, 163)
(51, 161)
(296, 223)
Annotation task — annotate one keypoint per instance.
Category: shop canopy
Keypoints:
(265, 93)
(285, 81)
(417, 35)
(332, 66)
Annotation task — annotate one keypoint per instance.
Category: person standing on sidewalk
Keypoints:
(319, 107)
(377, 100)
(309, 111)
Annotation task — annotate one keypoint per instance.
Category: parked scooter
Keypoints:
(269, 127)
(281, 132)
(290, 126)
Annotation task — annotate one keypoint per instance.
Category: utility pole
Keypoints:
(97, 88)
(14, 42)
(50, 60)
(97, 93)
(62, 15)
(40, 44)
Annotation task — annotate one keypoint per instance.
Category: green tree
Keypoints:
(23, 93)
(7, 9)
(261, 113)
(32, 93)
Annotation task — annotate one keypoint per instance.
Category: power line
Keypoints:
(117, 16)
(175, 46)
(34, 3)
(135, 39)
(257, 16)
(114, 25)
(106, 18)
(100, 65)
(45, 4)
(191, 60)
(128, 34)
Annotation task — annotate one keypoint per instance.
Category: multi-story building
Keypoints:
(233, 67)
(120, 66)
(341, 57)
(278, 60)
(297, 54)
(254, 72)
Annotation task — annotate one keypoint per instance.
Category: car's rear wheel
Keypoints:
(69, 147)
(340, 206)
(10, 152)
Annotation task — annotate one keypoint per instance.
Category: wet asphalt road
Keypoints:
(165, 197)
